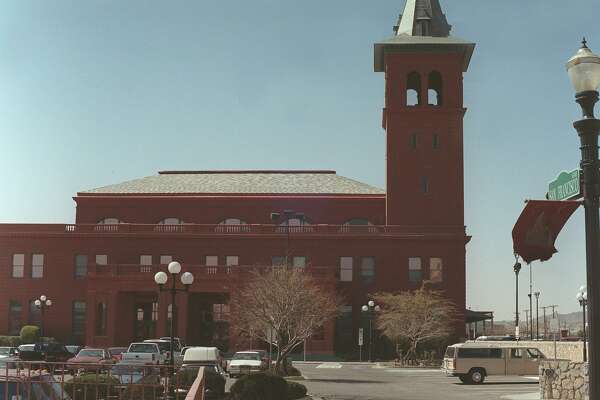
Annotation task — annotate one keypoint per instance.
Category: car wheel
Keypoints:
(464, 379)
(476, 376)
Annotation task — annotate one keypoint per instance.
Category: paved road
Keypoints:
(334, 381)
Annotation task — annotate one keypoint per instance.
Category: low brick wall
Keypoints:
(562, 379)
(564, 350)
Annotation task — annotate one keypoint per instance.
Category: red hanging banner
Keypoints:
(538, 226)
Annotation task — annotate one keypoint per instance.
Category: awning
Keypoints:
(538, 226)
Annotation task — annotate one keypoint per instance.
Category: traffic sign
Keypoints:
(360, 336)
(566, 186)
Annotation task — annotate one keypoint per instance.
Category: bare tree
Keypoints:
(284, 306)
(416, 317)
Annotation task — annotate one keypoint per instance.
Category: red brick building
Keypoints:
(217, 224)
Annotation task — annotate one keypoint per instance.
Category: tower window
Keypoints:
(436, 141)
(413, 89)
(434, 89)
(424, 184)
(413, 141)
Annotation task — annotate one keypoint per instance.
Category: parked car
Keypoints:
(472, 362)
(210, 358)
(8, 355)
(50, 352)
(165, 348)
(178, 343)
(144, 353)
(33, 387)
(117, 352)
(90, 359)
(245, 362)
(73, 349)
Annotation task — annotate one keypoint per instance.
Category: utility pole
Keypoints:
(527, 321)
(545, 323)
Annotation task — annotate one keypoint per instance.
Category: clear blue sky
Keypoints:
(99, 92)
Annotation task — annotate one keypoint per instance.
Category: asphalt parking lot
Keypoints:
(340, 381)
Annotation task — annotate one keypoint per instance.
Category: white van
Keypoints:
(471, 362)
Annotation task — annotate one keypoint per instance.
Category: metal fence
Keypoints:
(20, 380)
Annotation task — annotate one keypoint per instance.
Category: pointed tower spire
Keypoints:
(423, 18)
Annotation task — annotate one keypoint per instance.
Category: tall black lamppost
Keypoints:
(584, 72)
(161, 279)
(287, 216)
(582, 297)
(42, 303)
(537, 315)
(517, 269)
(370, 309)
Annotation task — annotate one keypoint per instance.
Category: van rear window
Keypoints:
(479, 353)
(450, 352)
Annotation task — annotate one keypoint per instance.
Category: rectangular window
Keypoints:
(18, 266)
(78, 318)
(14, 317)
(436, 141)
(37, 266)
(80, 266)
(164, 260)
(479, 353)
(367, 269)
(435, 270)
(101, 259)
(414, 269)
(145, 260)
(101, 319)
(346, 269)
(424, 184)
(212, 261)
(413, 141)
(220, 312)
(299, 262)
(232, 261)
(278, 261)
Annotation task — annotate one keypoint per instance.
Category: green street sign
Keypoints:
(566, 186)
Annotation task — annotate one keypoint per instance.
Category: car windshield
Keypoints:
(90, 353)
(450, 352)
(246, 356)
(163, 346)
(142, 348)
(4, 351)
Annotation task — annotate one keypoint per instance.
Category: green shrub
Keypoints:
(260, 386)
(147, 388)
(10, 341)
(86, 386)
(30, 334)
(295, 390)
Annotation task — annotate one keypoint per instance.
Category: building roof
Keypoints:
(422, 28)
(240, 182)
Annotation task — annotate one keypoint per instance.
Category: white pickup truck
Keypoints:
(144, 353)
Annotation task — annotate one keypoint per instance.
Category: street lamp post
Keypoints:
(517, 269)
(582, 297)
(161, 279)
(584, 72)
(370, 309)
(537, 315)
(530, 315)
(42, 303)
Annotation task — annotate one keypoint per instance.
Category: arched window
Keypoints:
(170, 224)
(413, 89)
(110, 221)
(434, 89)
(109, 224)
(295, 224)
(171, 221)
(358, 225)
(232, 225)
